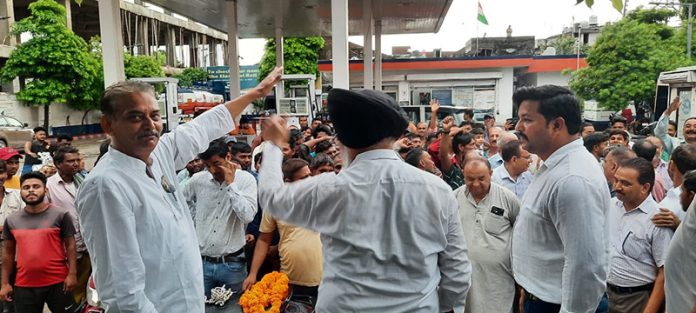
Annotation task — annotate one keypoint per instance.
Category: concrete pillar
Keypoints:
(225, 53)
(193, 51)
(144, 36)
(205, 48)
(504, 88)
(7, 9)
(212, 49)
(378, 55)
(280, 51)
(112, 41)
(367, 45)
(233, 49)
(378, 43)
(68, 14)
(170, 45)
(339, 43)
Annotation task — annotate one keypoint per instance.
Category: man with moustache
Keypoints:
(638, 248)
(373, 214)
(135, 220)
(488, 212)
(661, 128)
(559, 246)
(422, 160)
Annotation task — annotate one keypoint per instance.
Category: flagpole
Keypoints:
(477, 38)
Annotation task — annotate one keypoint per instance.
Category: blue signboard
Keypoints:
(248, 75)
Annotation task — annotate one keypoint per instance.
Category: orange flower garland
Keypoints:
(271, 291)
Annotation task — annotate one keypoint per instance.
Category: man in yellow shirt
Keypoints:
(11, 157)
(300, 249)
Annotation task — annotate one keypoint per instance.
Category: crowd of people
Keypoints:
(367, 212)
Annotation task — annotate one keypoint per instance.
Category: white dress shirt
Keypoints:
(672, 201)
(488, 232)
(139, 230)
(518, 186)
(221, 211)
(680, 266)
(560, 245)
(638, 247)
(391, 233)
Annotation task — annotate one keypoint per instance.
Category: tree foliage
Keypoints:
(301, 56)
(626, 60)
(191, 75)
(618, 4)
(143, 65)
(55, 62)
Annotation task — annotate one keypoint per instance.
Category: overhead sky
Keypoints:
(539, 18)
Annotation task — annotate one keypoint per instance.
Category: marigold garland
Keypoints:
(271, 291)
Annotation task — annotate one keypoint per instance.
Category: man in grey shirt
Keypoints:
(559, 246)
(488, 212)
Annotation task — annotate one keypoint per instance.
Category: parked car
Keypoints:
(14, 133)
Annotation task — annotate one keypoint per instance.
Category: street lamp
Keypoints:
(688, 29)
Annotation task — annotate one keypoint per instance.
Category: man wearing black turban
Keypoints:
(392, 237)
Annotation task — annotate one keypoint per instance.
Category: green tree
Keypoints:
(301, 56)
(626, 60)
(55, 63)
(191, 75)
(143, 65)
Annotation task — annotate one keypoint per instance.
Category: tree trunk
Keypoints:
(45, 124)
(84, 121)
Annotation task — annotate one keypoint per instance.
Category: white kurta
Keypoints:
(140, 236)
(391, 233)
(488, 231)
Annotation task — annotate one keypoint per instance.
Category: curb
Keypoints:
(83, 137)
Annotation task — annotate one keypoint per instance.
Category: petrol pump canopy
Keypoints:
(300, 18)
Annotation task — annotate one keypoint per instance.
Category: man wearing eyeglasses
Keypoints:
(136, 224)
(514, 174)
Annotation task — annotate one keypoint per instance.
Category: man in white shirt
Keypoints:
(222, 201)
(612, 160)
(391, 233)
(559, 245)
(497, 159)
(680, 264)
(638, 247)
(661, 166)
(488, 212)
(671, 214)
(689, 130)
(136, 223)
(514, 174)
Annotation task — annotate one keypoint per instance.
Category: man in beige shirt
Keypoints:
(488, 212)
(300, 249)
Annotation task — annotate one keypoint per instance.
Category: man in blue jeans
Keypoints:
(222, 201)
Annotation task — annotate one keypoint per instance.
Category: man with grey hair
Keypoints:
(136, 223)
(505, 137)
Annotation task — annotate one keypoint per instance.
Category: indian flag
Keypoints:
(481, 16)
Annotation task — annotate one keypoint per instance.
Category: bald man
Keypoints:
(488, 212)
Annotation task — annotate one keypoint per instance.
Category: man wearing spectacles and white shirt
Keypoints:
(638, 247)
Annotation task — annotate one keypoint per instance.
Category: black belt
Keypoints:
(618, 289)
(532, 297)
(231, 257)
